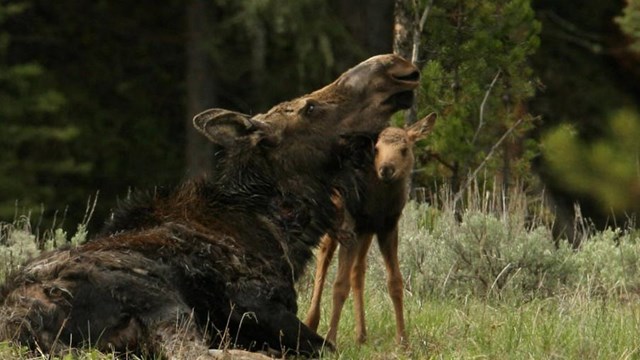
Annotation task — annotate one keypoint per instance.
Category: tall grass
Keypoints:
(484, 279)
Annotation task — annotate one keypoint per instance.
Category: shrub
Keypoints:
(483, 254)
(18, 242)
(608, 262)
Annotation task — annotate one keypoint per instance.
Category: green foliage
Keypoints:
(289, 48)
(117, 119)
(509, 252)
(609, 263)
(630, 23)
(19, 242)
(35, 142)
(607, 169)
(477, 78)
(486, 253)
(580, 84)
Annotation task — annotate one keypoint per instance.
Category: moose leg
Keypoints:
(358, 270)
(264, 316)
(325, 254)
(388, 243)
(294, 336)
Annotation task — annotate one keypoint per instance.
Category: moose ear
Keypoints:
(422, 128)
(224, 127)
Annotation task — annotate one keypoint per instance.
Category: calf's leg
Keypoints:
(358, 270)
(388, 243)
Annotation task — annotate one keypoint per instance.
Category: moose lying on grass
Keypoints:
(214, 262)
(383, 193)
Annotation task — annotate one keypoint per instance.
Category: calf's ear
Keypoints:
(224, 127)
(422, 128)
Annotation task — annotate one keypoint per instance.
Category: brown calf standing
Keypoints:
(384, 195)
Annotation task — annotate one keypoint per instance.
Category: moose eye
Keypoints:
(309, 108)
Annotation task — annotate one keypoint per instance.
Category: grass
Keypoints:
(559, 327)
(491, 284)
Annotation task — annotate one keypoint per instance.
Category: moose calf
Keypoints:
(376, 210)
(213, 262)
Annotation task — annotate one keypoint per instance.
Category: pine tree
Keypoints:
(35, 153)
(606, 166)
(630, 23)
(476, 75)
(606, 169)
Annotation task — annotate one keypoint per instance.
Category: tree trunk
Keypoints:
(200, 85)
(403, 28)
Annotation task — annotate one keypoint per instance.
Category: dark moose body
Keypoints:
(214, 262)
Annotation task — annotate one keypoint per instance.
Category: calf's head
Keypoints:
(394, 149)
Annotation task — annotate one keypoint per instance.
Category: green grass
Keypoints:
(491, 286)
(559, 327)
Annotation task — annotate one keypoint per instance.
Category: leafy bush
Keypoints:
(19, 243)
(482, 254)
(499, 246)
(609, 263)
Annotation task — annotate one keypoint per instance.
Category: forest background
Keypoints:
(97, 97)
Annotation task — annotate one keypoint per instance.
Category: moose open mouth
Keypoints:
(408, 80)
(414, 76)
(400, 100)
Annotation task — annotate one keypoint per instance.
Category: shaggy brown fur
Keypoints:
(214, 262)
(376, 210)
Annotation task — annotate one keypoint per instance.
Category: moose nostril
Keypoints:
(386, 172)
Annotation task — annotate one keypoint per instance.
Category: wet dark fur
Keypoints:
(222, 247)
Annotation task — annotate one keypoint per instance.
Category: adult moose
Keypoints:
(213, 262)
(383, 193)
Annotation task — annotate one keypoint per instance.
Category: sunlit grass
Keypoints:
(569, 326)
